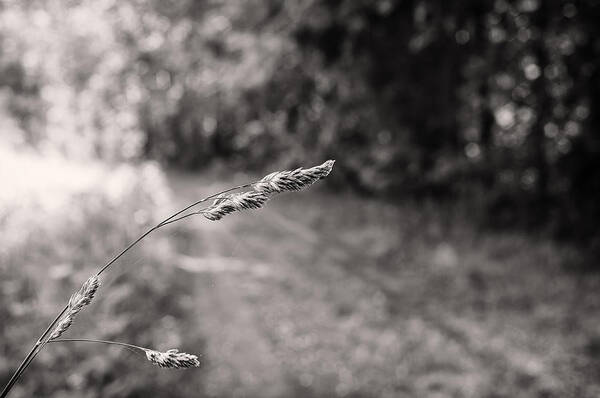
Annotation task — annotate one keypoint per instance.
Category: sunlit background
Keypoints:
(452, 252)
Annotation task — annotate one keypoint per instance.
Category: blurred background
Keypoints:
(451, 253)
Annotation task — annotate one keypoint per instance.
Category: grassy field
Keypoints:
(318, 294)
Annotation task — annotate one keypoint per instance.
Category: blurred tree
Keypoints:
(492, 102)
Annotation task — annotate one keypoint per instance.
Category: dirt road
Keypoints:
(316, 295)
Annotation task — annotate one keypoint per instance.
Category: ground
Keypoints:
(321, 293)
(326, 292)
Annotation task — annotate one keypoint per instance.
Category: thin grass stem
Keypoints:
(42, 340)
(100, 342)
(273, 183)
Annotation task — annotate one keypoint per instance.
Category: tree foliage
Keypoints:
(492, 100)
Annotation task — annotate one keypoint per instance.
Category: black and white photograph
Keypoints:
(300, 198)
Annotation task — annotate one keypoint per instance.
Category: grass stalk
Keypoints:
(43, 339)
(271, 184)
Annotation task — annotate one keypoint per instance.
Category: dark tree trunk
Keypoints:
(544, 113)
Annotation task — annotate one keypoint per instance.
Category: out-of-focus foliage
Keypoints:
(59, 225)
(493, 101)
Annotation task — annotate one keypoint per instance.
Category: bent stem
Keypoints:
(43, 339)
(126, 345)
(273, 183)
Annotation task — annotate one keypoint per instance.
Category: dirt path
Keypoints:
(293, 301)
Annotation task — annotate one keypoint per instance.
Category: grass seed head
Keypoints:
(293, 180)
(234, 202)
(78, 300)
(172, 359)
